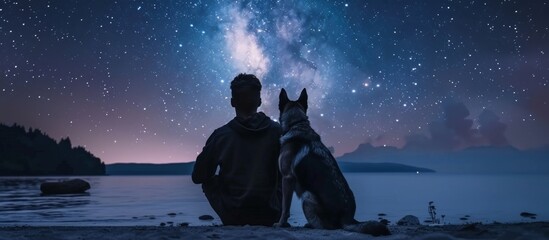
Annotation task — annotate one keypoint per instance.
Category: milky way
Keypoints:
(148, 81)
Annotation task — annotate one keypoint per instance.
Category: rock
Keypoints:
(527, 214)
(162, 224)
(171, 214)
(470, 227)
(65, 187)
(374, 228)
(381, 214)
(384, 221)
(206, 217)
(184, 224)
(408, 220)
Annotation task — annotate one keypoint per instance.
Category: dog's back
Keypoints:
(328, 202)
(319, 174)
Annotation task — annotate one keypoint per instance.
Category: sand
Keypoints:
(534, 230)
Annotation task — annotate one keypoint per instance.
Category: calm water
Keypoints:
(147, 200)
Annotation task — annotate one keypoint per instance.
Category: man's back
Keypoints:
(246, 151)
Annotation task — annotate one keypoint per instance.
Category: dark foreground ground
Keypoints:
(536, 230)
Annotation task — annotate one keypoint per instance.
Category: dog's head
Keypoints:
(292, 111)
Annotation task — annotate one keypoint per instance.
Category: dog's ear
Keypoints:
(303, 99)
(282, 99)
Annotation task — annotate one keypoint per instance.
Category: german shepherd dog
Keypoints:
(309, 169)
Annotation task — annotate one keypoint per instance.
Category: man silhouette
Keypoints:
(246, 190)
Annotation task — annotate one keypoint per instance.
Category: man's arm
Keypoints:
(206, 162)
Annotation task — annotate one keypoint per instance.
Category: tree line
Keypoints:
(33, 153)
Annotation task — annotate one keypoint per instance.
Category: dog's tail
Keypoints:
(373, 228)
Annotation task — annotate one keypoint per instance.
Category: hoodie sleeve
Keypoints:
(206, 162)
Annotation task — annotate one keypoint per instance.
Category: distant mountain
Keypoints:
(150, 169)
(33, 153)
(380, 167)
(187, 168)
(504, 159)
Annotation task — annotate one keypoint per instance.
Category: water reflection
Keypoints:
(19, 194)
(112, 200)
(151, 200)
(19, 183)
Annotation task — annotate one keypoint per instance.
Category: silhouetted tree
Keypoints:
(64, 168)
(35, 153)
(65, 143)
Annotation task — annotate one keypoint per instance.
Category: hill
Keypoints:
(380, 167)
(501, 159)
(33, 153)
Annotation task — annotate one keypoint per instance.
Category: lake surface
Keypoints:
(147, 200)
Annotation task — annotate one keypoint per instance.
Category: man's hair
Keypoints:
(245, 92)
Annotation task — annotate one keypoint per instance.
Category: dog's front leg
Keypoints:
(288, 186)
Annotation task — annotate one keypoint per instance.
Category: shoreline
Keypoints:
(531, 230)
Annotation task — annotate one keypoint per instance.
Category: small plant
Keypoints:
(433, 213)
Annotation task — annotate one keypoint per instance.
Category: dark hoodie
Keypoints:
(246, 150)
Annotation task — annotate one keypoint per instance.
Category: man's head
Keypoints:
(245, 91)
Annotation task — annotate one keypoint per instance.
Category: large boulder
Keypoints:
(65, 187)
(408, 220)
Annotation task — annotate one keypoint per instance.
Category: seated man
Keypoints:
(247, 187)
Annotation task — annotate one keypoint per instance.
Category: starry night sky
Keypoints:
(148, 81)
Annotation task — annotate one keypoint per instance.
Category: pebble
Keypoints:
(184, 224)
(527, 214)
(206, 217)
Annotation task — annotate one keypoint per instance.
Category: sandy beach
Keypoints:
(534, 230)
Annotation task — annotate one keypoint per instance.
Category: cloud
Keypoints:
(245, 49)
(455, 118)
(418, 141)
(455, 131)
(491, 129)
(442, 137)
